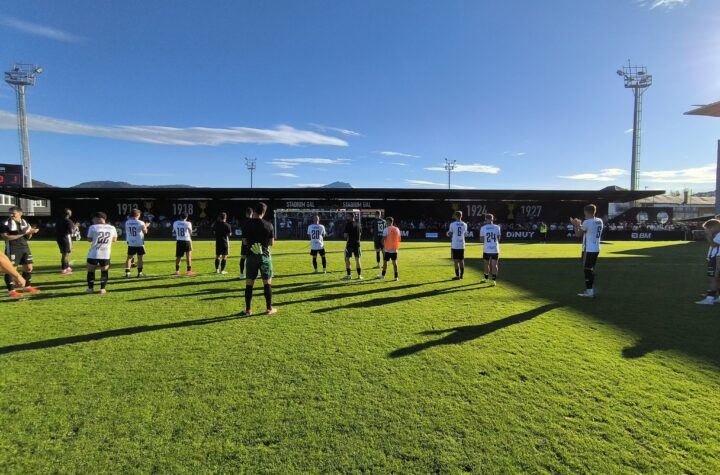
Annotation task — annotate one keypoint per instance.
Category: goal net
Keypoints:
(293, 223)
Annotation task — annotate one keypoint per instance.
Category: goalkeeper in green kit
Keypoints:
(258, 236)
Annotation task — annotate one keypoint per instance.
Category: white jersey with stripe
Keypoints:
(317, 236)
(182, 230)
(134, 234)
(101, 236)
(592, 228)
(457, 233)
(714, 251)
(490, 234)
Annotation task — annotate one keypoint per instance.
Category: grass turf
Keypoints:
(421, 375)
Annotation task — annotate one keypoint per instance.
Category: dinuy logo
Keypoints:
(519, 234)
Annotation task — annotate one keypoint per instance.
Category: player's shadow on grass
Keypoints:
(459, 335)
(400, 298)
(70, 340)
(648, 293)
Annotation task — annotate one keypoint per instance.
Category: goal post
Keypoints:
(293, 223)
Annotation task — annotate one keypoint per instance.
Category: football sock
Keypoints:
(222, 264)
(217, 263)
(377, 256)
(359, 271)
(494, 276)
(324, 262)
(383, 272)
(9, 283)
(63, 264)
(189, 268)
(396, 274)
(177, 267)
(462, 271)
(248, 296)
(486, 276)
(314, 261)
(457, 271)
(589, 278)
(712, 293)
(103, 278)
(127, 270)
(91, 279)
(28, 278)
(242, 265)
(348, 271)
(267, 291)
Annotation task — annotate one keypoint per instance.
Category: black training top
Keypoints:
(353, 231)
(222, 231)
(63, 228)
(258, 230)
(379, 227)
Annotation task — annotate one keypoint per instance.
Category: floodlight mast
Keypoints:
(251, 164)
(637, 79)
(450, 166)
(20, 76)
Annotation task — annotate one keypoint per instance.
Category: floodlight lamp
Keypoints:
(38, 70)
(620, 72)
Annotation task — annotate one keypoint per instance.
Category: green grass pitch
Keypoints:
(421, 375)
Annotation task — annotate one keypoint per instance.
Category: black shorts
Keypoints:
(390, 256)
(378, 242)
(181, 247)
(712, 267)
(136, 250)
(315, 252)
(488, 256)
(458, 254)
(590, 259)
(222, 248)
(244, 250)
(64, 244)
(98, 262)
(19, 256)
(353, 249)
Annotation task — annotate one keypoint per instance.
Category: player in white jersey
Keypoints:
(135, 231)
(591, 232)
(712, 235)
(316, 231)
(456, 233)
(182, 229)
(490, 235)
(101, 236)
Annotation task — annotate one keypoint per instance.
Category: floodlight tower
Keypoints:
(251, 164)
(450, 166)
(20, 76)
(637, 79)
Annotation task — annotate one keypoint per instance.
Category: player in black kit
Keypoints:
(378, 225)
(64, 230)
(259, 236)
(244, 250)
(222, 232)
(16, 232)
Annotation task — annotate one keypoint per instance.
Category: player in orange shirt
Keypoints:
(391, 245)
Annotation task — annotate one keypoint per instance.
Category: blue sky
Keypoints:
(522, 93)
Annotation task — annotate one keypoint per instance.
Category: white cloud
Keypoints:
(436, 185)
(309, 185)
(286, 175)
(286, 163)
(389, 153)
(471, 168)
(704, 174)
(515, 154)
(156, 134)
(325, 128)
(39, 30)
(606, 174)
(669, 4)
(400, 164)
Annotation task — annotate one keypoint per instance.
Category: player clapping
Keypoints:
(16, 232)
(101, 236)
(135, 231)
(590, 230)
(182, 229)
